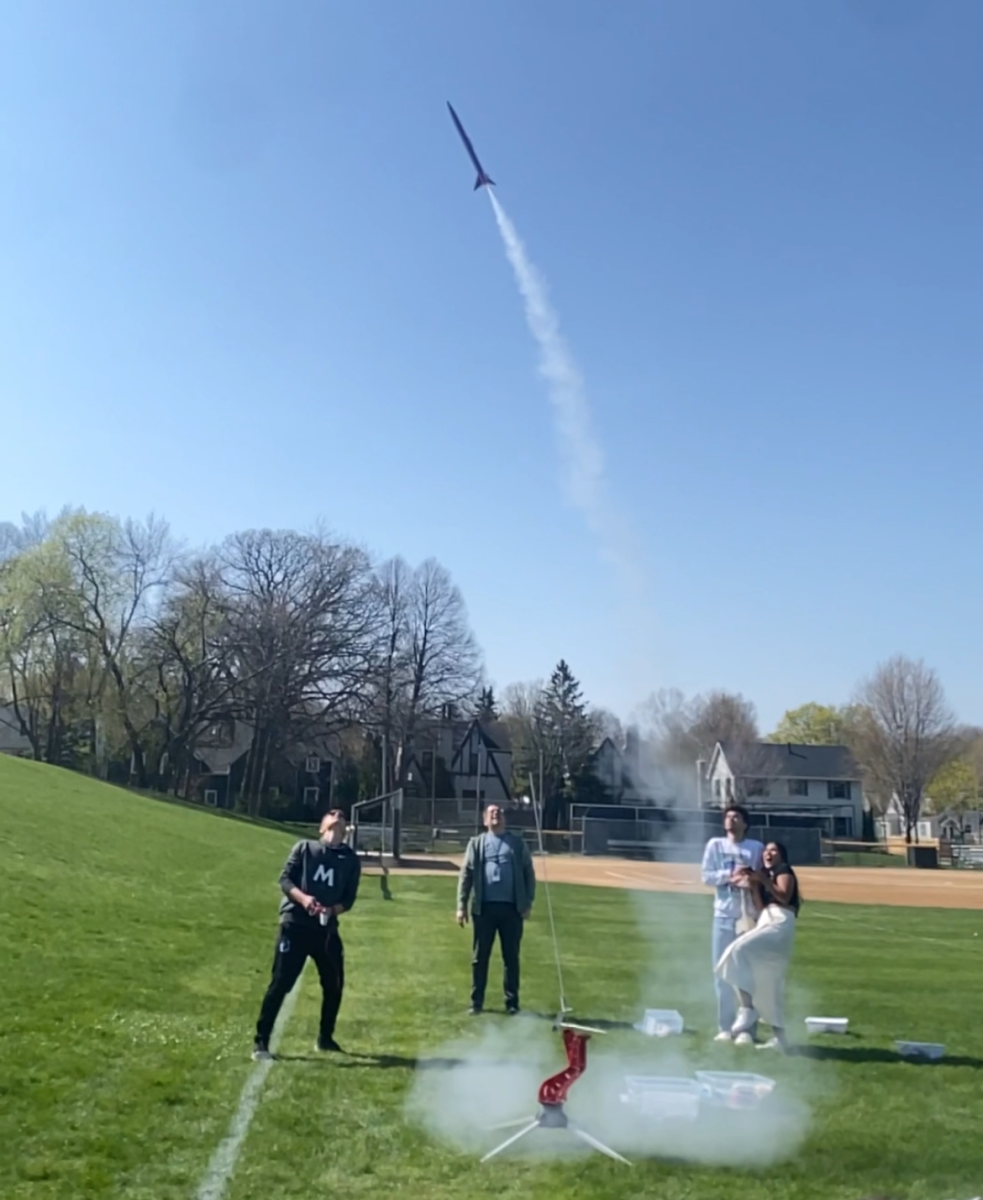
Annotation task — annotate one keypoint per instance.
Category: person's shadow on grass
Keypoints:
(390, 1062)
(874, 1054)
(386, 1062)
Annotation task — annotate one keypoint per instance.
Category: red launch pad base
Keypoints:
(552, 1094)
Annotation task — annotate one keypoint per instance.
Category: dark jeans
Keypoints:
(294, 945)
(504, 920)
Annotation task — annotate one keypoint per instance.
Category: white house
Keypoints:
(947, 826)
(792, 780)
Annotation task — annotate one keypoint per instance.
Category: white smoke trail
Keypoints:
(580, 449)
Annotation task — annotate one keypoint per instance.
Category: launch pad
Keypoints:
(553, 1094)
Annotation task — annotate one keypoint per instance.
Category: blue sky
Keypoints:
(246, 283)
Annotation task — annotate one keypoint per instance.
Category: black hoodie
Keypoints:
(328, 873)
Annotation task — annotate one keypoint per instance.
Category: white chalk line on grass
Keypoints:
(223, 1163)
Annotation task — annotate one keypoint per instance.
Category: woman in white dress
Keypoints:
(755, 965)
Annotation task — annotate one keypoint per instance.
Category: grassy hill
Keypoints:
(135, 940)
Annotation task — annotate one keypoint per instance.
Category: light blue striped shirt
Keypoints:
(721, 859)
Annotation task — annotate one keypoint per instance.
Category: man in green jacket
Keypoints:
(498, 877)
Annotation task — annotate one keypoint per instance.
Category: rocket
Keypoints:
(484, 179)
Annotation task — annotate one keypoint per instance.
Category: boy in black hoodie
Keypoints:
(319, 882)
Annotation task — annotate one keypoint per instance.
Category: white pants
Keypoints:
(757, 963)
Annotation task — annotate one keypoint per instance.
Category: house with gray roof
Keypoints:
(802, 784)
(12, 741)
(631, 773)
(300, 774)
(477, 759)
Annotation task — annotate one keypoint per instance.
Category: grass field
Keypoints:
(135, 940)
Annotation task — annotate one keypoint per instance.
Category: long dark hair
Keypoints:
(783, 851)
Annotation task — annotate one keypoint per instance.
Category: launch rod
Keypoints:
(537, 812)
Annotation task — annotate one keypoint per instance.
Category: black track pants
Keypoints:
(294, 945)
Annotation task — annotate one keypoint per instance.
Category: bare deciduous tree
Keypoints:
(903, 733)
(430, 656)
(680, 732)
(667, 719)
(519, 707)
(187, 645)
(387, 714)
(15, 539)
(304, 617)
(728, 718)
(605, 723)
(683, 730)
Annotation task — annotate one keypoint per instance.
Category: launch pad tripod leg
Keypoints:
(552, 1116)
(529, 1126)
(512, 1124)
(595, 1144)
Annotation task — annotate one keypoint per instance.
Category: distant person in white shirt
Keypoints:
(724, 860)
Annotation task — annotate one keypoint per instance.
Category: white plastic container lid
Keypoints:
(921, 1049)
(660, 1022)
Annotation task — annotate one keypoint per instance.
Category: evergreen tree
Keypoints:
(566, 736)
(486, 706)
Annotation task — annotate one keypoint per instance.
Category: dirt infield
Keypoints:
(844, 885)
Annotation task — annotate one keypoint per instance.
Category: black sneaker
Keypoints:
(512, 1009)
(261, 1052)
(328, 1046)
(474, 1010)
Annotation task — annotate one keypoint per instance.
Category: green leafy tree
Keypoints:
(42, 659)
(814, 725)
(118, 572)
(955, 788)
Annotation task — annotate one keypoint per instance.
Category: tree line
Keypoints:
(906, 740)
(117, 645)
(119, 648)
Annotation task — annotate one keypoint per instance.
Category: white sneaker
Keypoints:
(747, 1018)
(773, 1044)
(744, 1039)
(724, 1036)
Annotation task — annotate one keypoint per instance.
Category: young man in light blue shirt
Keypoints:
(724, 860)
